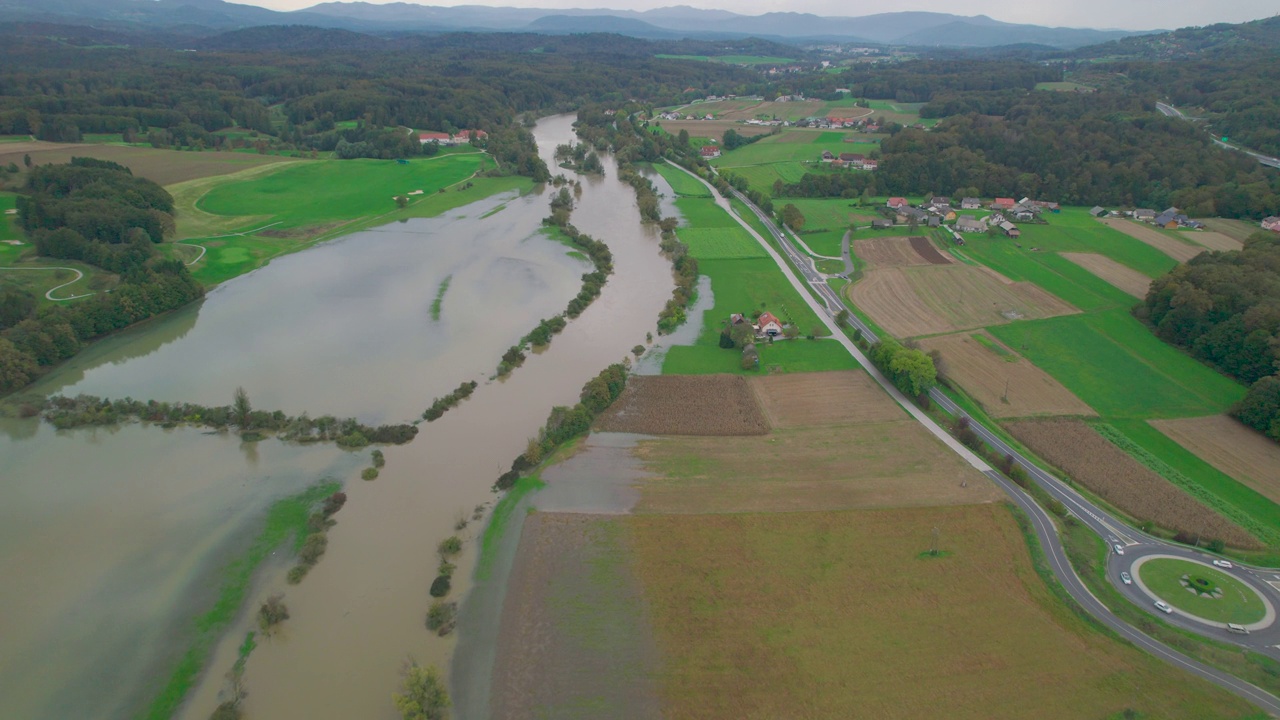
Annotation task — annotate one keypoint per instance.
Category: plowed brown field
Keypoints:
(945, 298)
(1216, 240)
(927, 251)
(887, 252)
(1122, 276)
(985, 375)
(1233, 448)
(1088, 458)
(1172, 247)
(685, 405)
(828, 398)
(885, 464)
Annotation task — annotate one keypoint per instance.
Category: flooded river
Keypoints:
(112, 540)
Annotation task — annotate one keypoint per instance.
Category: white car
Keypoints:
(1119, 550)
(1124, 577)
(1163, 607)
(1223, 564)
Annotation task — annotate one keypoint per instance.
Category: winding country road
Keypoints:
(49, 295)
(1171, 111)
(1135, 543)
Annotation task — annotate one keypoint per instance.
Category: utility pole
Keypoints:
(933, 549)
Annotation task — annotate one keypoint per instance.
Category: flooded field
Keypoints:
(112, 540)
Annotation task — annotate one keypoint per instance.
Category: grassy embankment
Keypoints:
(754, 647)
(286, 521)
(743, 279)
(295, 206)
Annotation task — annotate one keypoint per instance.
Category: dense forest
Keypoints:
(1224, 307)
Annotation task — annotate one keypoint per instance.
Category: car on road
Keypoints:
(1124, 577)
(1223, 564)
(1164, 607)
(1119, 550)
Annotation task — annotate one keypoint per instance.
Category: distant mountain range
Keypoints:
(199, 17)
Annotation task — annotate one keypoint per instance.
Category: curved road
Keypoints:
(49, 295)
(1171, 111)
(1134, 543)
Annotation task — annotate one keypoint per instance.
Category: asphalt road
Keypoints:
(1267, 160)
(1133, 542)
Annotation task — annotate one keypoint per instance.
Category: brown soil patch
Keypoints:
(713, 128)
(1115, 476)
(1121, 276)
(685, 405)
(1238, 229)
(828, 398)
(836, 615)
(927, 251)
(163, 166)
(1172, 247)
(1005, 385)
(885, 464)
(1234, 448)
(1215, 240)
(888, 252)
(574, 628)
(932, 300)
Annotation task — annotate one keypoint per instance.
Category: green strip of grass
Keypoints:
(435, 304)
(498, 522)
(286, 520)
(1235, 603)
(791, 356)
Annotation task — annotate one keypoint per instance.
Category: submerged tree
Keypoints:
(241, 409)
(424, 696)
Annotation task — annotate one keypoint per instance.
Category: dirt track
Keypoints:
(1121, 276)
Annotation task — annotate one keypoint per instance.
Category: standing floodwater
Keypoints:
(113, 539)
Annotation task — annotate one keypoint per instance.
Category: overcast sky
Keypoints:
(1123, 14)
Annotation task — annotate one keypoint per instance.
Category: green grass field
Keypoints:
(8, 223)
(719, 243)
(1064, 86)
(790, 356)
(686, 185)
(1049, 270)
(1229, 600)
(1116, 365)
(310, 193)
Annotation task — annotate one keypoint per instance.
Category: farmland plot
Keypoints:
(1005, 385)
(888, 252)
(1215, 240)
(1116, 477)
(829, 398)
(1233, 448)
(1121, 276)
(868, 464)
(1176, 249)
(915, 301)
(720, 243)
(161, 166)
(685, 405)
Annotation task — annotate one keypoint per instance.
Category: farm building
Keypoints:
(1003, 204)
(1098, 211)
(970, 225)
(944, 211)
(710, 151)
(897, 202)
(1144, 214)
(870, 164)
(769, 325)
(1166, 220)
(828, 156)
(1271, 223)
(939, 201)
(970, 204)
(436, 137)
(881, 224)
(1010, 230)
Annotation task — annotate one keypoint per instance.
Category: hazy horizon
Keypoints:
(1096, 14)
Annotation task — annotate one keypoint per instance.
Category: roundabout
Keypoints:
(1198, 591)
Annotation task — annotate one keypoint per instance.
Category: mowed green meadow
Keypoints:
(312, 192)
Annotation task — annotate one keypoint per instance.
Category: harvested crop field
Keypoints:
(574, 629)
(713, 128)
(1233, 448)
(162, 166)
(926, 250)
(1006, 385)
(1115, 476)
(837, 615)
(1121, 276)
(884, 464)
(828, 398)
(1172, 247)
(1215, 240)
(895, 252)
(685, 405)
(931, 300)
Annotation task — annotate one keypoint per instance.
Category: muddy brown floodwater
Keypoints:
(360, 613)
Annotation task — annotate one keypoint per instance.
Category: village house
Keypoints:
(934, 221)
(1038, 205)
(436, 137)
(909, 214)
(1010, 230)
(870, 164)
(1144, 214)
(938, 201)
(853, 158)
(970, 204)
(881, 224)
(828, 156)
(1272, 223)
(943, 211)
(768, 325)
(966, 224)
(1166, 220)
(1003, 204)
(1098, 211)
(710, 151)
(897, 202)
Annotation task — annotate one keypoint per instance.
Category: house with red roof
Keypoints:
(710, 151)
(1003, 204)
(769, 325)
(897, 203)
(1271, 223)
(436, 137)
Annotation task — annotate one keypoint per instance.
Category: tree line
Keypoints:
(1224, 308)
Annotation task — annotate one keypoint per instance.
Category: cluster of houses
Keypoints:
(938, 210)
(1272, 223)
(462, 137)
(837, 122)
(850, 160)
(1171, 219)
(765, 326)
